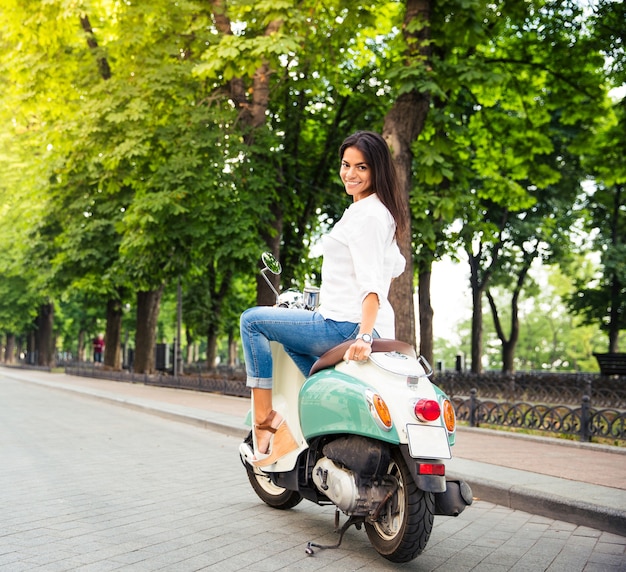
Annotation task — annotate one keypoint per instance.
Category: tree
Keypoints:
(550, 339)
(179, 151)
(603, 300)
(403, 123)
(504, 97)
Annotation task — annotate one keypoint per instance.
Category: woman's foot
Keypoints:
(273, 440)
(263, 433)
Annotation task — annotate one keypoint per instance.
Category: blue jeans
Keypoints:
(305, 336)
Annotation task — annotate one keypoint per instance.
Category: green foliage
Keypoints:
(550, 338)
(601, 299)
(128, 158)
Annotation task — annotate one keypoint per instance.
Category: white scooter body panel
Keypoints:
(401, 381)
(428, 440)
(288, 380)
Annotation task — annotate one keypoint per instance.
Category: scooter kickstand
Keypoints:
(356, 520)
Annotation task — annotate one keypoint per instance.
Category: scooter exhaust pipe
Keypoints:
(453, 501)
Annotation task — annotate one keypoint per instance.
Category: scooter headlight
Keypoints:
(379, 410)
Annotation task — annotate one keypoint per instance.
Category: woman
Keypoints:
(360, 259)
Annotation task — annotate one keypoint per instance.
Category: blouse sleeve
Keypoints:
(367, 244)
(399, 262)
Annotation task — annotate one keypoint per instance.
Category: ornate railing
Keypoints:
(512, 402)
(582, 421)
(557, 388)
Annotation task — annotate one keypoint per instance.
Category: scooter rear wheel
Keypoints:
(405, 523)
(267, 491)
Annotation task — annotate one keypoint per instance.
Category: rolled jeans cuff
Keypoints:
(259, 382)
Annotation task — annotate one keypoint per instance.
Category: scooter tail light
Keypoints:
(449, 418)
(431, 469)
(379, 410)
(427, 410)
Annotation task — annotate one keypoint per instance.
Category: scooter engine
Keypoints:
(340, 486)
(352, 474)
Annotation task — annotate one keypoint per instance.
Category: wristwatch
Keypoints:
(365, 337)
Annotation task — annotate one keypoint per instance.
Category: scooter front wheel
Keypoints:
(404, 525)
(267, 491)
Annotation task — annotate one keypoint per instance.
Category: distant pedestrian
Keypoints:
(98, 348)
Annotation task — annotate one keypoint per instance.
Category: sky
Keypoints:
(451, 297)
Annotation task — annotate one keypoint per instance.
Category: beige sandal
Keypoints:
(281, 442)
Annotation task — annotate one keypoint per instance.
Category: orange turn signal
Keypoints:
(379, 410)
(382, 410)
(449, 418)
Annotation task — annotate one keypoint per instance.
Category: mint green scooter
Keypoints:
(373, 439)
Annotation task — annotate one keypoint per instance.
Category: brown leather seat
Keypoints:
(333, 356)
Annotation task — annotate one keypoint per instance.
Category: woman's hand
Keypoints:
(358, 351)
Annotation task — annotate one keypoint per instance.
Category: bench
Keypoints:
(612, 364)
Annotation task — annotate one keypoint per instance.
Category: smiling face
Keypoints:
(356, 174)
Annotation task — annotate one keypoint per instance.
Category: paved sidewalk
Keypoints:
(580, 483)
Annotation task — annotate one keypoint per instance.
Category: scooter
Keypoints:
(373, 439)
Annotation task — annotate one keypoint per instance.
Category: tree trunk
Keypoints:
(509, 345)
(403, 124)
(211, 347)
(103, 64)
(425, 315)
(253, 115)
(614, 314)
(425, 309)
(616, 287)
(217, 299)
(232, 350)
(479, 281)
(191, 346)
(19, 348)
(31, 347)
(45, 338)
(113, 335)
(148, 305)
(508, 357)
(477, 310)
(9, 350)
(477, 329)
(399, 136)
(80, 351)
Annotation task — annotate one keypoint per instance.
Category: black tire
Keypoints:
(405, 523)
(267, 491)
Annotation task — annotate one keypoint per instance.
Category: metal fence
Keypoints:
(225, 383)
(550, 403)
(556, 388)
(582, 421)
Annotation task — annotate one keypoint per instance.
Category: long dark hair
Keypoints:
(384, 177)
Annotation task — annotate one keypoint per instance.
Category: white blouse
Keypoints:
(360, 256)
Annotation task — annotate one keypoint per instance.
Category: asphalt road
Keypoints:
(86, 485)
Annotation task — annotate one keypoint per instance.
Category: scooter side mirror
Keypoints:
(271, 263)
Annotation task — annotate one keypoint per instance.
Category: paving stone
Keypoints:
(92, 487)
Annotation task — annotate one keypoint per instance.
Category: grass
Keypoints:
(536, 433)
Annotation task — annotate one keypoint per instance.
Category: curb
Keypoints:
(519, 497)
